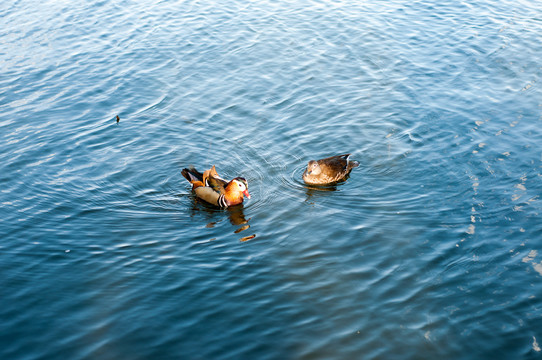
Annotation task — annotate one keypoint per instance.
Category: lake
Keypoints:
(430, 250)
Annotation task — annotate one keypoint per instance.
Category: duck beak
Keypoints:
(246, 194)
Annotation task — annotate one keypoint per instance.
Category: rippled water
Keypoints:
(431, 249)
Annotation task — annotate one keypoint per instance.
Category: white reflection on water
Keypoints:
(536, 347)
(530, 259)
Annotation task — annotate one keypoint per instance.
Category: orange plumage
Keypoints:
(215, 190)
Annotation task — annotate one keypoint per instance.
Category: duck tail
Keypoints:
(351, 163)
(193, 176)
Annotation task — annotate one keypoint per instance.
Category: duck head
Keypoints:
(313, 168)
(235, 190)
(242, 185)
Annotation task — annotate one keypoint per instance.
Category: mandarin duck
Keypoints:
(329, 170)
(215, 190)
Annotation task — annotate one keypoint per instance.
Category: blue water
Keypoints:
(430, 250)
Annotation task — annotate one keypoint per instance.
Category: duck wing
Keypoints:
(334, 165)
(217, 184)
(210, 173)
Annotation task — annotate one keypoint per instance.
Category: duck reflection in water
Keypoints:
(235, 214)
(319, 190)
(237, 217)
(323, 190)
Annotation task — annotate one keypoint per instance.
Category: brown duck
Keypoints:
(329, 170)
(215, 190)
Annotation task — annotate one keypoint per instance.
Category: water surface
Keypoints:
(431, 249)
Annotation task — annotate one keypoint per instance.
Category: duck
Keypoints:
(211, 188)
(329, 170)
